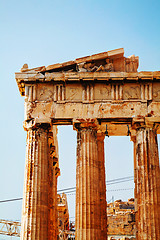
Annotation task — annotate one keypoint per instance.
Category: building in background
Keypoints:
(63, 214)
(65, 229)
(121, 219)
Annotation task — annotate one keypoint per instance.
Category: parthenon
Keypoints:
(100, 95)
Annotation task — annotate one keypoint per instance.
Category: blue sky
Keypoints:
(46, 32)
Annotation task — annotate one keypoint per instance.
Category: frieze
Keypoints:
(45, 92)
(102, 91)
(91, 91)
(131, 91)
(156, 91)
(74, 92)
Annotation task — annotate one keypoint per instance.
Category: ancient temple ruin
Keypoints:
(99, 95)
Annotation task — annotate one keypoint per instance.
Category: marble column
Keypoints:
(39, 212)
(102, 185)
(87, 184)
(148, 183)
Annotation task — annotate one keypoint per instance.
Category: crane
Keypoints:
(10, 228)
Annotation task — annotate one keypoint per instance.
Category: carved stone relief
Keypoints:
(132, 91)
(156, 91)
(95, 67)
(102, 92)
(74, 92)
(45, 92)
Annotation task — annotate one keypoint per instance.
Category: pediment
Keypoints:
(111, 61)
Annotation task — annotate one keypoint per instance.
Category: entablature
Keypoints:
(64, 78)
(94, 87)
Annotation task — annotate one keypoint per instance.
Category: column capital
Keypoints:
(80, 124)
(147, 122)
(35, 124)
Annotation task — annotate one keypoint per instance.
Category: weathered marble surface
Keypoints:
(98, 94)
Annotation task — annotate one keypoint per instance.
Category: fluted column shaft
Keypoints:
(87, 186)
(39, 213)
(147, 184)
(102, 186)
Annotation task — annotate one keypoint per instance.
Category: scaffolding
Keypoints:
(10, 228)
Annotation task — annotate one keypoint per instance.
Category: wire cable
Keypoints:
(11, 200)
(110, 182)
(73, 189)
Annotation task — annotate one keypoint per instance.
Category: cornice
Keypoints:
(34, 77)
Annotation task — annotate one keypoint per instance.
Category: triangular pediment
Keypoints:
(111, 61)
